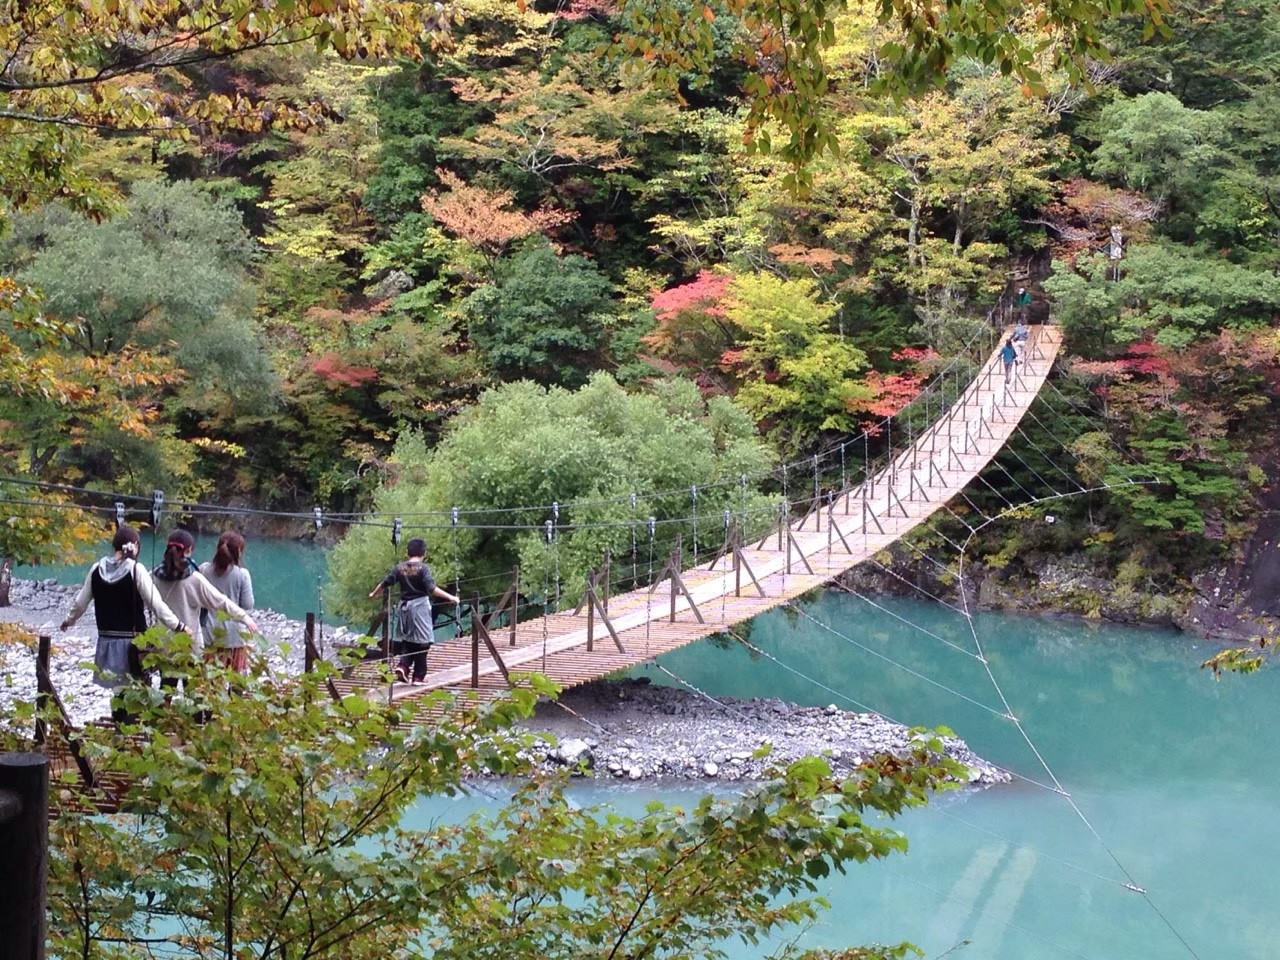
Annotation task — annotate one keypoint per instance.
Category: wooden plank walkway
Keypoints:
(919, 481)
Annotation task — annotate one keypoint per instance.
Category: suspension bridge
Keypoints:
(839, 530)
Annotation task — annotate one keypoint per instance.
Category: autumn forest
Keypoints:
(302, 273)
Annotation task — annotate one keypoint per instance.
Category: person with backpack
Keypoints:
(1009, 356)
(417, 629)
(121, 591)
(1020, 334)
(227, 642)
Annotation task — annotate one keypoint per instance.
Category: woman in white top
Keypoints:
(225, 641)
(185, 589)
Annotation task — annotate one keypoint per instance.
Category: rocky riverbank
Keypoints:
(629, 729)
(637, 730)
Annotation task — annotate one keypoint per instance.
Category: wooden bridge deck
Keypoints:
(862, 521)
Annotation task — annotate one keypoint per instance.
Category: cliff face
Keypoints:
(1069, 584)
(1242, 599)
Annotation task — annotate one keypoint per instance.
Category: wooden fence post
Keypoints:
(42, 695)
(24, 853)
(309, 651)
(475, 640)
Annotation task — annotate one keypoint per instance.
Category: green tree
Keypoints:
(1155, 144)
(526, 445)
(169, 273)
(797, 376)
(1171, 293)
(544, 318)
(57, 399)
(265, 819)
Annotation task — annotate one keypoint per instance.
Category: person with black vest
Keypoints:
(417, 629)
(121, 591)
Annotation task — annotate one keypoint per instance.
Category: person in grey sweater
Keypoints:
(186, 591)
(226, 641)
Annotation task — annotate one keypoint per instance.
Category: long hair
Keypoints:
(230, 550)
(175, 554)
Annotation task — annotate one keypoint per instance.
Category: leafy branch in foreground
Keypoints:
(264, 819)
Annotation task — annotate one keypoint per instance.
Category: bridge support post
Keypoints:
(47, 699)
(831, 525)
(591, 611)
(475, 641)
(24, 854)
(480, 631)
(312, 655)
(740, 564)
(515, 602)
(309, 652)
(594, 606)
(672, 570)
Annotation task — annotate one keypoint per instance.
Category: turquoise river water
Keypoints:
(1173, 771)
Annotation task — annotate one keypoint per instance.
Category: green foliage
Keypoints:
(525, 445)
(261, 817)
(1215, 51)
(797, 375)
(1155, 144)
(1190, 478)
(543, 318)
(1170, 293)
(169, 273)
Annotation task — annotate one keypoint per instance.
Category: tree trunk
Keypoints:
(6, 579)
(913, 233)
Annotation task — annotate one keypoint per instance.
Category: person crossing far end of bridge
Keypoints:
(1023, 304)
(1020, 334)
(1009, 355)
(417, 630)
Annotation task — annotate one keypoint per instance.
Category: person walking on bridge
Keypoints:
(186, 590)
(1009, 356)
(226, 643)
(1020, 334)
(417, 629)
(1023, 304)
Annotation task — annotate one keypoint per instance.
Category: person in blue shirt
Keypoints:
(1010, 356)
